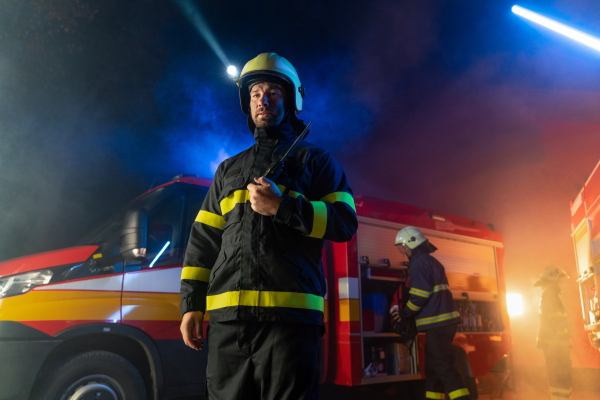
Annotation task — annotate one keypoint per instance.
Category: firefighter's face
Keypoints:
(267, 104)
(404, 249)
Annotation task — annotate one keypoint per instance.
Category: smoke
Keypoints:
(341, 121)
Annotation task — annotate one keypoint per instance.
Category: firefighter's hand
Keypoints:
(265, 196)
(191, 329)
(395, 315)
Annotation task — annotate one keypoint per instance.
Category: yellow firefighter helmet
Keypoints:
(272, 68)
(551, 274)
(410, 236)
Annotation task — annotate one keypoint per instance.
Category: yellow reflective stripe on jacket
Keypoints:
(458, 393)
(438, 288)
(239, 197)
(294, 195)
(195, 273)
(419, 292)
(560, 391)
(343, 197)
(320, 211)
(319, 219)
(412, 306)
(437, 318)
(435, 395)
(254, 298)
(235, 198)
(557, 314)
(557, 342)
(210, 219)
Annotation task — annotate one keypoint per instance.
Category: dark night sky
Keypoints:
(459, 106)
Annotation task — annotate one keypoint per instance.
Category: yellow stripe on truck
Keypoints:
(349, 310)
(44, 305)
(151, 306)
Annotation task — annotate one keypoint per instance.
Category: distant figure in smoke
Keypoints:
(554, 336)
(253, 260)
(430, 302)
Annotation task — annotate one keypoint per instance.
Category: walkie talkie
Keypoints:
(276, 166)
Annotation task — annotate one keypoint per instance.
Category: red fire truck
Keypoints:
(586, 240)
(101, 319)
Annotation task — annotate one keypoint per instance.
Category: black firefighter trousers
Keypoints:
(263, 361)
(441, 375)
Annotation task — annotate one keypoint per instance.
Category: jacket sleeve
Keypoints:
(202, 250)
(330, 212)
(421, 288)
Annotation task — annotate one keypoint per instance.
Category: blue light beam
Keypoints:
(195, 17)
(159, 253)
(558, 27)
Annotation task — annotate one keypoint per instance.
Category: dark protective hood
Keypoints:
(283, 131)
(425, 247)
(296, 124)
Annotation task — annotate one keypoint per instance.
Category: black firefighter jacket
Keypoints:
(554, 327)
(430, 300)
(240, 265)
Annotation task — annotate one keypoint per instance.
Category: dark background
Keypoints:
(458, 106)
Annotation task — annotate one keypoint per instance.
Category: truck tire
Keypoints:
(98, 375)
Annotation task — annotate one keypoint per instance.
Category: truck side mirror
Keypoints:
(134, 235)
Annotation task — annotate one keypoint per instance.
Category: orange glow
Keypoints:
(514, 302)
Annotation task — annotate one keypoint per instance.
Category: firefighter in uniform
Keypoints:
(253, 260)
(430, 303)
(554, 335)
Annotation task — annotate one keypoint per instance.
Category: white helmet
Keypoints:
(410, 236)
(551, 274)
(270, 67)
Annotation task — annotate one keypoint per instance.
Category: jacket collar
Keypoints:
(281, 131)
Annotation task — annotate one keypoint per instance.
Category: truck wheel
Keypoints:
(98, 375)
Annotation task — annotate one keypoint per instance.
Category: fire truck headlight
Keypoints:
(18, 284)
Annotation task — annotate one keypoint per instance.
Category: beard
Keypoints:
(272, 118)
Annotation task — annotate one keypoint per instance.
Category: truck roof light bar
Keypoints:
(437, 217)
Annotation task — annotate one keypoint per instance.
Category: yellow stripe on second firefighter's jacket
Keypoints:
(439, 288)
(210, 219)
(419, 292)
(437, 318)
(195, 273)
(434, 395)
(458, 393)
(413, 306)
(253, 298)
